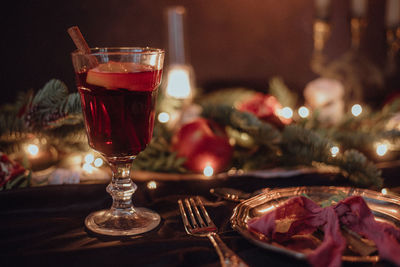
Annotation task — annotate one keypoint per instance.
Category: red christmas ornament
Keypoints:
(9, 169)
(266, 108)
(203, 143)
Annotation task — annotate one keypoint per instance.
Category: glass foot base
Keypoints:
(140, 221)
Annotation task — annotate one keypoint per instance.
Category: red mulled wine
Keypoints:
(118, 102)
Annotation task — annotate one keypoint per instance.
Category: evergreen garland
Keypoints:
(294, 146)
(157, 157)
(263, 133)
(55, 113)
(51, 113)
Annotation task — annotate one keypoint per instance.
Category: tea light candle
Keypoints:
(321, 91)
(326, 96)
(359, 8)
(392, 13)
(179, 81)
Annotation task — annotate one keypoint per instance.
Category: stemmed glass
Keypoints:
(118, 89)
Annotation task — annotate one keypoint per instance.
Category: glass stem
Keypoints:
(121, 187)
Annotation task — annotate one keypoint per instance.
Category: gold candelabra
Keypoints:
(358, 26)
(321, 35)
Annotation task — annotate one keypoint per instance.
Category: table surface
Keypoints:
(45, 225)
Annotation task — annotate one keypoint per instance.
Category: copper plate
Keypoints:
(385, 207)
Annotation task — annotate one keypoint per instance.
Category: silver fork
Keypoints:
(199, 224)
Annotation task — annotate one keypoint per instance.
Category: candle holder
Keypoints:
(355, 70)
(393, 47)
(179, 85)
(322, 31)
(358, 26)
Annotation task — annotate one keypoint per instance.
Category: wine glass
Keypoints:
(118, 89)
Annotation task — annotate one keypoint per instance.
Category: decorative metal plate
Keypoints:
(385, 208)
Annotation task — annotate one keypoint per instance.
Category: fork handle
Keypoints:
(227, 257)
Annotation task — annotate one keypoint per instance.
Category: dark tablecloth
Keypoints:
(44, 226)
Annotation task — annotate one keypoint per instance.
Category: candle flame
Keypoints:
(178, 82)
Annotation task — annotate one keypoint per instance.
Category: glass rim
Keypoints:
(115, 50)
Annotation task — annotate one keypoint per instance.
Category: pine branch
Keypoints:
(358, 168)
(157, 157)
(227, 96)
(262, 132)
(305, 147)
(354, 139)
(52, 106)
(52, 113)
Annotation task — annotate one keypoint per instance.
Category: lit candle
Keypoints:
(322, 8)
(326, 96)
(359, 8)
(179, 82)
(392, 13)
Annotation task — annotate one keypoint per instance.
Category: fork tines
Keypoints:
(195, 217)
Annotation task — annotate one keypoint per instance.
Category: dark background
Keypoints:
(239, 42)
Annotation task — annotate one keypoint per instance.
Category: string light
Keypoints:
(88, 168)
(32, 149)
(163, 117)
(285, 112)
(303, 112)
(334, 151)
(384, 191)
(381, 149)
(152, 185)
(356, 110)
(89, 158)
(98, 162)
(208, 171)
(91, 163)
